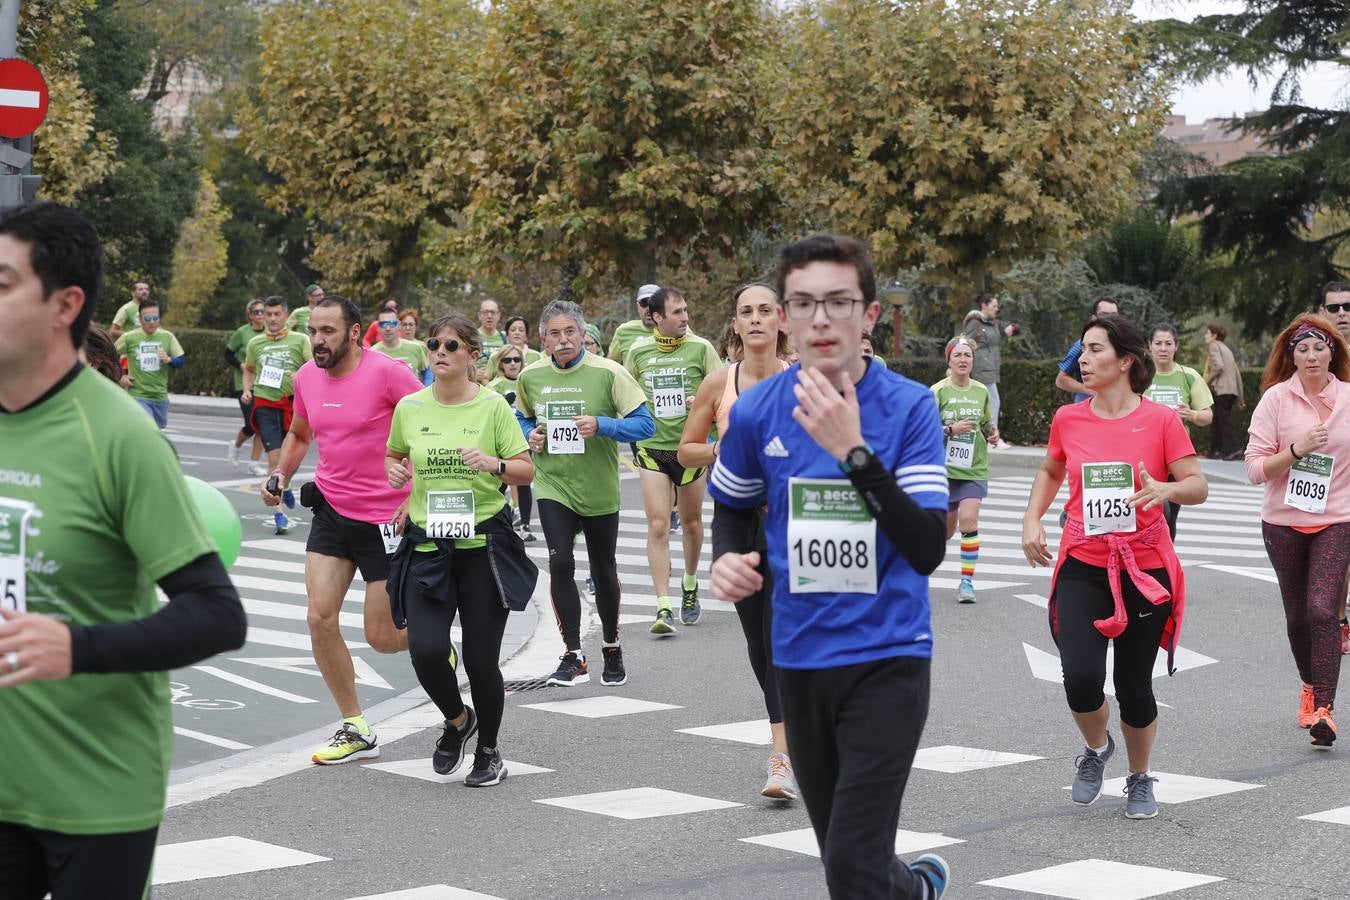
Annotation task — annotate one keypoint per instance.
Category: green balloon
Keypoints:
(219, 517)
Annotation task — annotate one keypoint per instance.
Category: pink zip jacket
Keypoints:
(1284, 416)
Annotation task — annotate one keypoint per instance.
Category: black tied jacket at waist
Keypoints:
(513, 571)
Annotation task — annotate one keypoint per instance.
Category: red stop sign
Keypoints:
(23, 98)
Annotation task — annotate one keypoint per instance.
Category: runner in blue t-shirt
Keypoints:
(849, 458)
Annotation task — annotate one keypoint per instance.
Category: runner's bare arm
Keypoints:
(294, 447)
(695, 452)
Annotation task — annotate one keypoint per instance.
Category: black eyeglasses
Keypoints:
(450, 345)
(835, 307)
(1338, 307)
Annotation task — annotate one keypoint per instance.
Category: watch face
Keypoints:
(857, 457)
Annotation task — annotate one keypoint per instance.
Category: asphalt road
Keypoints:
(1237, 779)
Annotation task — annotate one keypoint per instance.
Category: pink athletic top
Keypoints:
(1284, 415)
(1152, 434)
(350, 417)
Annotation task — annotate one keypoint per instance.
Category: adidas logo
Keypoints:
(775, 448)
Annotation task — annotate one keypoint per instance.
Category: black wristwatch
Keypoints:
(857, 458)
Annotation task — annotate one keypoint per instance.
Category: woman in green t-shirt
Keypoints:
(460, 445)
(1179, 387)
(510, 360)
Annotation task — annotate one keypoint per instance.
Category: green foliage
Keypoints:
(614, 137)
(1258, 212)
(139, 206)
(357, 111)
(205, 372)
(199, 258)
(959, 137)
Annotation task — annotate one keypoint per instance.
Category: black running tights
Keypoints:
(74, 866)
(470, 591)
(756, 615)
(561, 526)
(1311, 572)
(525, 497)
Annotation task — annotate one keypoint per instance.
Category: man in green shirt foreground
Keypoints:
(150, 350)
(670, 365)
(629, 332)
(236, 348)
(128, 315)
(88, 527)
(575, 407)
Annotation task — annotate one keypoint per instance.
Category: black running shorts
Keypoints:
(665, 462)
(333, 534)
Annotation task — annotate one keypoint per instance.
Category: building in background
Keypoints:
(1214, 140)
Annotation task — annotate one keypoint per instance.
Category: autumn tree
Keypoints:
(356, 109)
(198, 258)
(614, 138)
(1261, 214)
(960, 136)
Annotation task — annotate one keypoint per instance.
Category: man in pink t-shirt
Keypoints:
(345, 399)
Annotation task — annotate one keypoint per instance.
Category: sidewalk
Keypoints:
(192, 405)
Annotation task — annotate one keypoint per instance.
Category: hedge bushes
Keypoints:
(1030, 398)
(1027, 387)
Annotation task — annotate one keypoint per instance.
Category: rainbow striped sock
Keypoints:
(970, 551)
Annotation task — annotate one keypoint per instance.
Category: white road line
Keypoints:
(211, 739)
(278, 586)
(254, 685)
(274, 610)
(269, 637)
(282, 565)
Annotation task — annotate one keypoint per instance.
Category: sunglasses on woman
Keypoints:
(450, 345)
(509, 359)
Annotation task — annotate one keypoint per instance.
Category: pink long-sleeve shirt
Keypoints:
(1284, 415)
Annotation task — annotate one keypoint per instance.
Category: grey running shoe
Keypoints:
(966, 592)
(664, 624)
(781, 783)
(1139, 802)
(1087, 784)
(572, 671)
(488, 768)
(690, 609)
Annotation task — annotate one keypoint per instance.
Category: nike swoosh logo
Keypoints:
(1145, 615)
(1141, 428)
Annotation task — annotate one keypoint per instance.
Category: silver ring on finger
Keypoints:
(12, 660)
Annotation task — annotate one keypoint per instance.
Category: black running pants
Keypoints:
(756, 615)
(561, 526)
(74, 866)
(525, 497)
(852, 733)
(471, 592)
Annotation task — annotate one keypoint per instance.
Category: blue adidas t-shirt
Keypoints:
(764, 448)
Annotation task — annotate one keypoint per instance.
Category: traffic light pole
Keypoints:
(18, 184)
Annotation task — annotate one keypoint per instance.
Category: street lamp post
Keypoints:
(898, 297)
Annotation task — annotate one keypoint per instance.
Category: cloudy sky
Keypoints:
(1230, 94)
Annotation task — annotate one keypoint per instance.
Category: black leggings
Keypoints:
(853, 732)
(756, 615)
(561, 526)
(471, 591)
(525, 495)
(74, 866)
(1311, 571)
(1083, 595)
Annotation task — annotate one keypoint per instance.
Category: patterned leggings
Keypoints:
(1311, 571)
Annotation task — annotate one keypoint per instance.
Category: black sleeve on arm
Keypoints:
(202, 618)
(232, 359)
(919, 534)
(733, 530)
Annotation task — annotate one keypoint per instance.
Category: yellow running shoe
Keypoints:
(348, 744)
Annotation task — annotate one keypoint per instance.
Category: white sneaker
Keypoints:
(232, 452)
(257, 468)
(781, 783)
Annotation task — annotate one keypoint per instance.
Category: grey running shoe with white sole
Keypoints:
(1087, 783)
(1139, 802)
(781, 783)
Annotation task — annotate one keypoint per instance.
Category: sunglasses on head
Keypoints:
(1338, 307)
(450, 344)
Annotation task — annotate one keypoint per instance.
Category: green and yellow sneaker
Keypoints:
(347, 744)
(664, 626)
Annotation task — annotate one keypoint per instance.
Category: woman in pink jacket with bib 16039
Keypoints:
(1298, 446)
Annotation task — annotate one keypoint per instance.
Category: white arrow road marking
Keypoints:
(1260, 574)
(365, 673)
(1045, 666)
(210, 739)
(253, 685)
(21, 99)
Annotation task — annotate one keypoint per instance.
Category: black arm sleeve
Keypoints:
(232, 359)
(919, 534)
(202, 618)
(733, 530)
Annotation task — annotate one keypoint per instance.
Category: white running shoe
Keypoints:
(232, 452)
(257, 468)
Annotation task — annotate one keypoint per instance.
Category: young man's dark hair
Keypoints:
(656, 303)
(828, 248)
(1217, 330)
(274, 300)
(983, 300)
(350, 314)
(147, 304)
(64, 250)
(1332, 287)
(1097, 304)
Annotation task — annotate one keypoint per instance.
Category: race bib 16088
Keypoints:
(832, 538)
